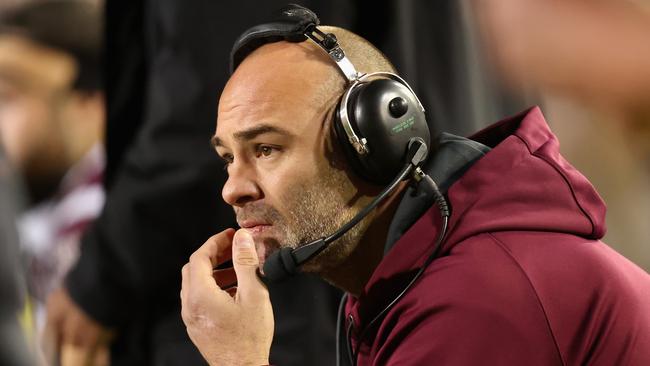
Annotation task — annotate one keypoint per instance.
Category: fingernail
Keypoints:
(243, 239)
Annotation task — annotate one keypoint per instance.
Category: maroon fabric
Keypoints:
(523, 278)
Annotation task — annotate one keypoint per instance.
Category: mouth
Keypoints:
(255, 227)
(262, 236)
(258, 229)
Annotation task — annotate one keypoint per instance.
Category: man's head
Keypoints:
(288, 180)
(51, 107)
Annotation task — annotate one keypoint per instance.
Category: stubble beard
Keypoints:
(317, 210)
(313, 209)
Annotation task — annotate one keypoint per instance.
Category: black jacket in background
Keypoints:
(13, 345)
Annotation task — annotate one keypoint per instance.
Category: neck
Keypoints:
(355, 271)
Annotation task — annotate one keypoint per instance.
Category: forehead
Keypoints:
(276, 86)
(30, 65)
(260, 106)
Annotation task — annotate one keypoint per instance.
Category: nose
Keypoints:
(241, 187)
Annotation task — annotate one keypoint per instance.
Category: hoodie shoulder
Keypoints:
(523, 183)
(542, 143)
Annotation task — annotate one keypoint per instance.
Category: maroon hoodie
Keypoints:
(522, 278)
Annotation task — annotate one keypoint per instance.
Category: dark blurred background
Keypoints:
(136, 155)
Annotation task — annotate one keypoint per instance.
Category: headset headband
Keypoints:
(295, 25)
(375, 118)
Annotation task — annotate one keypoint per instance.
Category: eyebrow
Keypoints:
(251, 133)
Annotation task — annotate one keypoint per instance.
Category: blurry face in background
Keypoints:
(34, 89)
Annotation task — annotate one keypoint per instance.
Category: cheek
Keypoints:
(23, 130)
(286, 181)
(280, 187)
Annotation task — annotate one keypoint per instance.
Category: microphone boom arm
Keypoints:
(285, 262)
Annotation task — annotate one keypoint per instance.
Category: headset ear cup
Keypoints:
(387, 133)
(351, 155)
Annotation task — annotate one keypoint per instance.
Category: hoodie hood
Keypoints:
(521, 184)
(507, 177)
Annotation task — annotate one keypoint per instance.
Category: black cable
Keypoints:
(339, 322)
(359, 216)
(441, 202)
(417, 152)
(351, 357)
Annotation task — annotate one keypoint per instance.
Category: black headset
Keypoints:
(377, 117)
(379, 122)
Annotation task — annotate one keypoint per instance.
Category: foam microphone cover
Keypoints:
(280, 265)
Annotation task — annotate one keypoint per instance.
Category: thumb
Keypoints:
(246, 263)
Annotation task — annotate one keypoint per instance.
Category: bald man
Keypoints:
(520, 278)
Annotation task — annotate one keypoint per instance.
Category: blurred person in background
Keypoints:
(436, 44)
(590, 61)
(51, 125)
(593, 51)
(14, 348)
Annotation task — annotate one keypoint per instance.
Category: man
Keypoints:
(51, 124)
(520, 277)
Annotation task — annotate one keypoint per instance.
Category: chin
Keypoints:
(265, 247)
(329, 260)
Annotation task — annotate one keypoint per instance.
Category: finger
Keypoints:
(246, 263)
(99, 354)
(217, 248)
(232, 291)
(199, 281)
(72, 355)
(208, 256)
(184, 282)
(102, 356)
(78, 332)
(225, 277)
(204, 259)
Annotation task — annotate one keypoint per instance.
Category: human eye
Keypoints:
(264, 150)
(227, 159)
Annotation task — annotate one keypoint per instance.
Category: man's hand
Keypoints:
(71, 335)
(227, 330)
